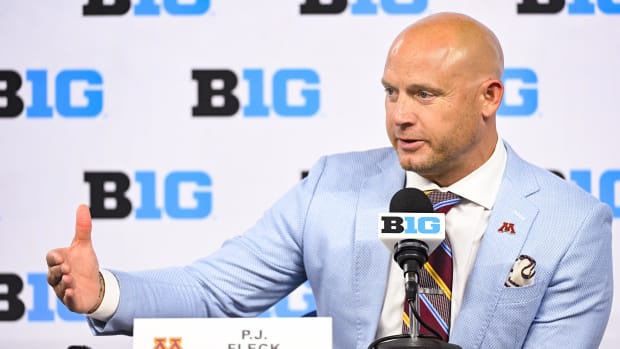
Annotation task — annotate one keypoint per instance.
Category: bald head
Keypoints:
(455, 39)
(443, 87)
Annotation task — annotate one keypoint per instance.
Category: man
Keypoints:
(443, 87)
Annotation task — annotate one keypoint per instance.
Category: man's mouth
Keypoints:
(409, 143)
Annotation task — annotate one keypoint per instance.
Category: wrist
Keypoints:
(99, 296)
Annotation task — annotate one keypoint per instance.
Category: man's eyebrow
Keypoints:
(423, 87)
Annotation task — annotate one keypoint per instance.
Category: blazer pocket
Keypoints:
(522, 295)
(515, 311)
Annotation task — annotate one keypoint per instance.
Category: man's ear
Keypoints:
(492, 93)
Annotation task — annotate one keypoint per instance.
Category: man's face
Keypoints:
(433, 113)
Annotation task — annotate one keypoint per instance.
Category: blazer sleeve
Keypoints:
(577, 302)
(245, 277)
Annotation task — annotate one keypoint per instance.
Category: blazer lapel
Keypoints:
(371, 258)
(497, 252)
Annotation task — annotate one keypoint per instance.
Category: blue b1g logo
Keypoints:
(522, 81)
(608, 181)
(363, 7)
(146, 7)
(217, 95)
(108, 195)
(300, 302)
(575, 7)
(13, 306)
(411, 224)
(77, 93)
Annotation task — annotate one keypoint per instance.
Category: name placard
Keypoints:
(236, 333)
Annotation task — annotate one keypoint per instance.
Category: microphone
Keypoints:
(412, 230)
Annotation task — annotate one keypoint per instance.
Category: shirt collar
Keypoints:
(480, 186)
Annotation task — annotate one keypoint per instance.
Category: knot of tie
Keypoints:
(443, 201)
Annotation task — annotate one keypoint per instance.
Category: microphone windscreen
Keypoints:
(411, 200)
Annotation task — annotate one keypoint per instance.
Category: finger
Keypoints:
(66, 281)
(54, 257)
(69, 299)
(61, 286)
(54, 275)
(69, 294)
(83, 224)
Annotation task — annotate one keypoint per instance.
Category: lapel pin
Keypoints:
(507, 228)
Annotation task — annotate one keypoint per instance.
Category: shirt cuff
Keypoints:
(111, 298)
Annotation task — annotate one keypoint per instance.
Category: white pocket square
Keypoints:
(522, 272)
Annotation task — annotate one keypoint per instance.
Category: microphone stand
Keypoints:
(411, 256)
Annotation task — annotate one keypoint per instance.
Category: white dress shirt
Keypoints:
(465, 225)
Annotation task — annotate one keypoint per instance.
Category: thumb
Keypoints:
(83, 224)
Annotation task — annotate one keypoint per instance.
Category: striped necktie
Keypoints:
(435, 279)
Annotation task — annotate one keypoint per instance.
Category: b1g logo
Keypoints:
(146, 7)
(108, 197)
(76, 94)
(575, 7)
(607, 183)
(363, 7)
(412, 224)
(520, 93)
(299, 302)
(294, 93)
(13, 307)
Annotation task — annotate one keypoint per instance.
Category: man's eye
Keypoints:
(424, 94)
(389, 90)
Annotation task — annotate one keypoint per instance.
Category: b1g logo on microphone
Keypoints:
(146, 7)
(294, 93)
(575, 7)
(412, 223)
(186, 195)
(429, 228)
(520, 93)
(76, 93)
(363, 7)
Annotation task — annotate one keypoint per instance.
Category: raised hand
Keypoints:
(73, 272)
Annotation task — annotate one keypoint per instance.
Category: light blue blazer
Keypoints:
(325, 230)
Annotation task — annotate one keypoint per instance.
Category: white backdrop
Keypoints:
(114, 93)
